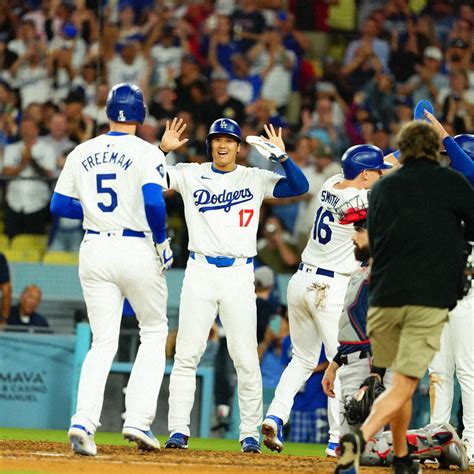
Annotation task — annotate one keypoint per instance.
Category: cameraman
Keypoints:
(276, 248)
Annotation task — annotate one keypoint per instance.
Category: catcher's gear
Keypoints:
(125, 103)
(165, 254)
(357, 408)
(266, 149)
(362, 157)
(434, 441)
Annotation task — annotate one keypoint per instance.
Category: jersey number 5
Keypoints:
(321, 231)
(245, 221)
(101, 189)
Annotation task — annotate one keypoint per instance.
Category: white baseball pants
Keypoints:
(208, 291)
(109, 269)
(312, 323)
(456, 354)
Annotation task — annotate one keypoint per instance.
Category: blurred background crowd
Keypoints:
(331, 73)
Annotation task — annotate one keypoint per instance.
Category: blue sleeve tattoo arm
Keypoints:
(155, 210)
(295, 182)
(65, 206)
(460, 160)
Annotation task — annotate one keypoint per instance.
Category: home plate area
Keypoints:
(45, 458)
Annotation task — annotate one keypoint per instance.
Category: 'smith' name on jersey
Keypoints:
(332, 200)
(107, 157)
(225, 200)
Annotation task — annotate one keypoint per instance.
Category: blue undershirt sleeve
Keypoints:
(460, 160)
(155, 210)
(295, 182)
(66, 206)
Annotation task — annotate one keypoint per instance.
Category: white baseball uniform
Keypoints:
(456, 355)
(316, 297)
(222, 215)
(117, 259)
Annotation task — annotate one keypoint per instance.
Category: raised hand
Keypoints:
(273, 136)
(171, 139)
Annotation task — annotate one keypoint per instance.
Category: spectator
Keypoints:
(458, 56)
(276, 249)
(275, 64)
(5, 288)
(243, 85)
(365, 56)
(96, 110)
(28, 199)
(24, 313)
(380, 97)
(163, 103)
(57, 137)
(428, 80)
(248, 23)
(221, 104)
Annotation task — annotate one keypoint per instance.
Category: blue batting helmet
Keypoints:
(362, 157)
(125, 103)
(223, 126)
(466, 142)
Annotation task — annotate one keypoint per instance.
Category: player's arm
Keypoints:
(273, 148)
(155, 210)
(330, 377)
(66, 206)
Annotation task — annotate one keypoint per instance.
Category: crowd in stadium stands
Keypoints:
(257, 61)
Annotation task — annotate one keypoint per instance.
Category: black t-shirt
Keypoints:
(4, 271)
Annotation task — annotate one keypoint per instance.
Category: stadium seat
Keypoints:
(61, 258)
(24, 255)
(30, 241)
(4, 243)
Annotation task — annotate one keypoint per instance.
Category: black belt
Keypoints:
(302, 267)
(353, 356)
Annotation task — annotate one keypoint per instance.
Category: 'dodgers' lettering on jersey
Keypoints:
(332, 200)
(106, 157)
(225, 200)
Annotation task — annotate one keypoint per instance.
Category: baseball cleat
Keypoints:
(145, 440)
(177, 441)
(469, 451)
(272, 430)
(250, 445)
(331, 450)
(82, 441)
(413, 468)
(350, 449)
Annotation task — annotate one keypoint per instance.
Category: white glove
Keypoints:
(165, 254)
(266, 149)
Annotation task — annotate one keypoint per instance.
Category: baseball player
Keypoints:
(455, 354)
(316, 291)
(222, 204)
(114, 183)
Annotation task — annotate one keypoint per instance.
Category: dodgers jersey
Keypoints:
(330, 245)
(222, 209)
(106, 174)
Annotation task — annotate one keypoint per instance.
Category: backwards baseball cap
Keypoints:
(433, 52)
(264, 277)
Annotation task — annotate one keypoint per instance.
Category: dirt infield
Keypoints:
(45, 458)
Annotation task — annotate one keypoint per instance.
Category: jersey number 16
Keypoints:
(321, 230)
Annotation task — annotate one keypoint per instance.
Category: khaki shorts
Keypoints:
(405, 338)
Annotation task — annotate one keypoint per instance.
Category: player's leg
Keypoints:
(351, 377)
(197, 312)
(306, 343)
(238, 314)
(441, 371)
(104, 302)
(147, 293)
(462, 329)
(327, 322)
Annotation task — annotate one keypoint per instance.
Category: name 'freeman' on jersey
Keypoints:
(106, 157)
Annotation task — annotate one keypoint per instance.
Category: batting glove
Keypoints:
(165, 254)
(266, 149)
